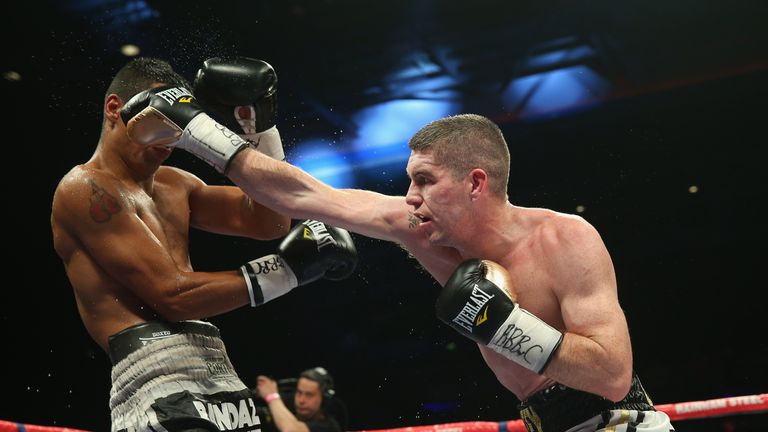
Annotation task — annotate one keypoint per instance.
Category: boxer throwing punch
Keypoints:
(120, 225)
(542, 304)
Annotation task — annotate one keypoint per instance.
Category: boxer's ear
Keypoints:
(479, 181)
(112, 106)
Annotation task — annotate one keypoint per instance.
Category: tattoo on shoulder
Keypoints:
(413, 221)
(103, 204)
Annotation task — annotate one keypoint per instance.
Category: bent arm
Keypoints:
(223, 209)
(227, 210)
(284, 419)
(595, 354)
(124, 247)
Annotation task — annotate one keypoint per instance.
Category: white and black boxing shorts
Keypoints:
(559, 408)
(178, 377)
(626, 421)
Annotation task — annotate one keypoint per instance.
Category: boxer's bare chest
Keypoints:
(534, 285)
(166, 214)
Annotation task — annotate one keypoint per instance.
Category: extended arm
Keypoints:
(294, 192)
(152, 119)
(372, 214)
(171, 116)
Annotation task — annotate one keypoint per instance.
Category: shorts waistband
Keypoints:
(126, 341)
(558, 407)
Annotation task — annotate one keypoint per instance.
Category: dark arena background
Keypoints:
(647, 118)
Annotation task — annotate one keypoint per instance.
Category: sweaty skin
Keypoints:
(121, 227)
(558, 264)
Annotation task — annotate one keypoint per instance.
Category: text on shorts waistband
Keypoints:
(125, 342)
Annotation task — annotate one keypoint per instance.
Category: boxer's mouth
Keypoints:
(422, 218)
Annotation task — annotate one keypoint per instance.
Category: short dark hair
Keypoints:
(323, 378)
(139, 74)
(464, 142)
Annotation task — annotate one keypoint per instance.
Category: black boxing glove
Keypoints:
(476, 301)
(170, 116)
(312, 250)
(241, 94)
(316, 250)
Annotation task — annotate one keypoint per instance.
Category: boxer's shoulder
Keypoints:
(177, 177)
(80, 186)
(553, 229)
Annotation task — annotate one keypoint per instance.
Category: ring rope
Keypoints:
(678, 411)
(751, 404)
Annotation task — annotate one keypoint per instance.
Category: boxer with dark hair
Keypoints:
(535, 288)
(312, 397)
(121, 225)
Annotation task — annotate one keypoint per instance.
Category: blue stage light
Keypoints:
(325, 161)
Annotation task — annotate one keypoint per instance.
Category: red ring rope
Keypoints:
(679, 411)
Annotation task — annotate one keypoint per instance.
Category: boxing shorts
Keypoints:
(562, 409)
(178, 377)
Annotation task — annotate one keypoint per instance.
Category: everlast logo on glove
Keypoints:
(319, 231)
(176, 94)
(313, 250)
(506, 328)
(466, 318)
